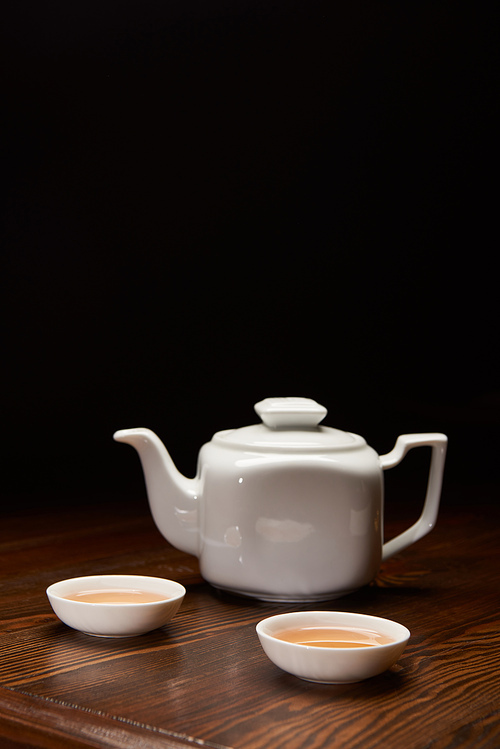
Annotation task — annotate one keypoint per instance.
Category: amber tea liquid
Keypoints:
(116, 595)
(334, 637)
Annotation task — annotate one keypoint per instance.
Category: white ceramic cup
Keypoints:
(330, 665)
(115, 619)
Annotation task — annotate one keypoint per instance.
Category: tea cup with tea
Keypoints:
(332, 647)
(115, 605)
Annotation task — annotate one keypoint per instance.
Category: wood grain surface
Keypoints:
(203, 679)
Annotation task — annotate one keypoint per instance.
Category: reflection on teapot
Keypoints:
(284, 510)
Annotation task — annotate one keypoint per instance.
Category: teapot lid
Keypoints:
(289, 424)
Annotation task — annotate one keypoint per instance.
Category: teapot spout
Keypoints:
(173, 498)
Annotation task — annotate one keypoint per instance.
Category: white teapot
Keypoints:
(284, 510)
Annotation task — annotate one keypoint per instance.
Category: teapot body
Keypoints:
(285, 510)
(282, 526)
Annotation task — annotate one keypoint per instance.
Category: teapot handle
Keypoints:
(427, 519)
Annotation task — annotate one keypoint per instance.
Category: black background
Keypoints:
(209, 203)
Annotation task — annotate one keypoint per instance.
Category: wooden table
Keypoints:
(204, 681)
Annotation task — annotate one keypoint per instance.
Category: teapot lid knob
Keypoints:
(290, 413)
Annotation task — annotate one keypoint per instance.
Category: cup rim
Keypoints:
(72, 583)
(399, 633)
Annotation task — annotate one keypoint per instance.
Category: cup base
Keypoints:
(112, 637)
